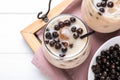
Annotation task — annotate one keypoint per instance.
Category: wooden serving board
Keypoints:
(29, 32)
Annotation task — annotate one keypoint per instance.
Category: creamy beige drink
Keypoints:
(102, 15)
(62, 45)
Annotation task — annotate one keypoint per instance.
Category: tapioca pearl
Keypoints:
(57, 40)
(105, 73)
(118, 74)
(110, 4)
(102, 78)
(75, 35)
(108, 78)
(73, 29)
(94, 68)
(52, 43)
(61, 24)
(57, 45)
(115, 54)
(48, 35)
(79, 30)
(116, 47)
(102, 10)
(98, 5)
(47, 29)
(73, 19)
(65, 44)
(62, 54)
(57, 27)
(55, 34)
(46, 41)
(64, 49)
(103, 53)
(103, 3)
(71, 45)
(67, 22)
(118, 69)
(104, 0)
(98, 58)
(112, 66)
(99, 13)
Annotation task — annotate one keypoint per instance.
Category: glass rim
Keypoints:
(87, 42)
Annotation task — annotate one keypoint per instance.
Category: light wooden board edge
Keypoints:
(28, 32)
(32, 41)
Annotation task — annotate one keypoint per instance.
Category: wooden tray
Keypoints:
(29, 32)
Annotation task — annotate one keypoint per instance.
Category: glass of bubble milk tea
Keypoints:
(102, 15)
(62, 45)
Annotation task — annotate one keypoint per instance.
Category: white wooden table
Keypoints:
(15, 55)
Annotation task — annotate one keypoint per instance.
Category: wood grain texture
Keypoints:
(32, 41)
(28, 32)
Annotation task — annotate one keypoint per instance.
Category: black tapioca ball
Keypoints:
(57, 46)
(57, 27)
(48, 35)
(73, 29)
(79, 30)
(52, 43)
(61, 24)
(64, 50)
(67, 22)
(73, 19)
(110, 4)
(55, 34)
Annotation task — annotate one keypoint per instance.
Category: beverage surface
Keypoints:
(108, 8)
(62, 36)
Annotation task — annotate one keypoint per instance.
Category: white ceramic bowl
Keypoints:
(105, 46)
